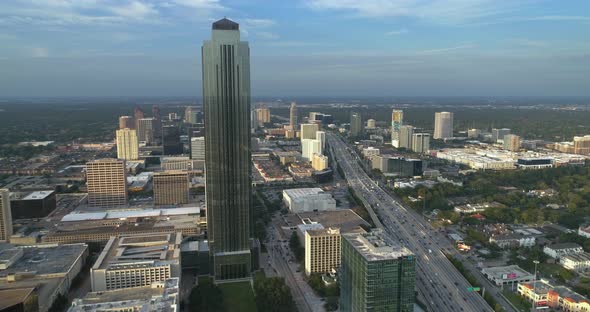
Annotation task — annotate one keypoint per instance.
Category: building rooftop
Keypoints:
(10, 297)
(510, 271)
(322, 232)
(376, 246)
(345, 219)
(578, 257)
(43, 260)
(130, 213)
(563, 246)
(225, 24)
(303, 192)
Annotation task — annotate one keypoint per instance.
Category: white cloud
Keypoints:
(397, 32)
(135, 10)
(444, 50)
(265, 35)
(258, 22)
(199, 4)
(557, 18)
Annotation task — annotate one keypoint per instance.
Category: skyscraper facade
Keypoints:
(157, 123)
(293, 116)
(498, 134)
(126, 122)
(127, 144)
(226, 98)
(421, 142)
(397, 117)
(308, 131)
(356, 124)
(375, 274)
(262, 116)
(512, 142)
(145, 130)
(138, 114)
(405, 136)
(171, 144)
(106, 181)
(443, 125)
(5, 216)
(171, 188)
(198, 148)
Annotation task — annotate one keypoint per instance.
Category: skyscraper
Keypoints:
(262, 116)
(397, 117)
(376, 275)
(308, 131)
(171, 140)
(371, 124)
(145, 130)
(127, 144)
(5, 216)
(498, 134)
(356, 124)
(512, 142)
(421, 142)
(106, 183)
(443, 125)
(191, 115)
(226, 98)
(198, 148)
(171, 188)
(405, 136)
(157, 123)
(126, 122)
(293, 116)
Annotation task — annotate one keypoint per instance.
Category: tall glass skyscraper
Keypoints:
(226, 101)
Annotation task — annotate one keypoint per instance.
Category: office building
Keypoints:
(127, 144)
(397, 118)
(157, 123)
(171, 140)
(262, 116)
(512, 142)
(192, 115)
(371, 124)
(473, 133)
(319, 162)
(443, 125)
(376, 275)
(198, 148)
(308, 199)
(308, 131)
(106, 181)
(582, 145)
(226, 70)
(5, 216)
(356, 124)
(293, 116)
(421, 142)
(320, 118)
(406, 134)
(498, 134)
(145, 130)
(509, 276)
(126, 122)
(322, 250)
(309, 147)
(321, 136)
(137, 115)
(171, 188)
(35, 204)
(161, 296)
(136, 261)
(397, 166)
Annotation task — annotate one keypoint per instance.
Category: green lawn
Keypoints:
(519, 302)
(238, 297)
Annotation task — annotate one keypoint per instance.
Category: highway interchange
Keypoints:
(440, 286)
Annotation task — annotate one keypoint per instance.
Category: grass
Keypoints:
(238, 297)
(519, 302)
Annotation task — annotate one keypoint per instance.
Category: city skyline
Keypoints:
(144, 47)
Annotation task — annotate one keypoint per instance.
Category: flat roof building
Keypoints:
(322, 250)
(507, 275)
(36, 204)
(308, 199)
(127, 144)
(171, 188)
(106, 183)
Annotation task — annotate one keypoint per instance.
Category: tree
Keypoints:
(295, 245)
(206, 297)
(273, 295)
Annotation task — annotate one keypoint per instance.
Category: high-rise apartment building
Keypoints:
(356, 124)
(421, 142)
(397, 118)
(127, 144)
(406, 134)
(512, 142)
(310, 147)
(106, 183)
(308, 131)
(226, 99)
(443, 125)
(262, 116)
(371, 124)
(582, 145)
(171, 140)
(293, 116)
(191, 115)
(126, 122)
(145, 130)
(498, 134)
(171, 188)
(319, 162)
(376, 275)
(198, 148)
(322, 250)
(5, 216)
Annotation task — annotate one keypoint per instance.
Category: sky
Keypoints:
(299, 47)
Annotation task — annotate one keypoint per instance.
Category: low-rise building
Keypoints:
(557, 298)
(319, 162)
(578, 262)
(36, 204)
(370, 152)
(556, 251)
(507, 275)
(322, 250)
(308, 199)
(584, 231)
(513, 240)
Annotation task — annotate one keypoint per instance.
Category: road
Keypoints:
(440, 286)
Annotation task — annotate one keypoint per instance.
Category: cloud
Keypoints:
(198, 4)
(528, 43)
(258, 22)
(135, 10)
(443, 50)
(556, 18)
(39, 52)
(397, 32)
(264, 35)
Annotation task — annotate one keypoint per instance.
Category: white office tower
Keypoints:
(310, 147)
(127, 144)
(5, 216)
(421, 142)
(405, 136)
(443, 125)
(308, 131)
(397, 117)
(198, 148)
(321, 136)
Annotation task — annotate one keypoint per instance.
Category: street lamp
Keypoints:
(536, 262)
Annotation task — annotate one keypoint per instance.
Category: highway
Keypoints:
(440, 286)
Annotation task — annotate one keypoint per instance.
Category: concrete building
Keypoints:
(136, 261)
(126, 122)
(498, 134)
(160, 296)
(146, 130)
(512, 142)
(370, 152)
(579, 262)
(171, 188)
(308, 199)
(556, 298)
(5, 216)
(293, 116)
(226, 70)
(375, 274)
(127, 144)
(421, 143)
(397, 166)
(397, 118)
(309, 147)
(322, 250)
(198, 148)
(582, 145)
(192, 115)
(171, 144)
(36, 204)
(308, 131)
(49, 270)
(507, 275)
(371, 124)
(262, 116)
(319, 162)
(556, 251)
(584, 231)
(443, 125)
(106, 183)
(406, 134)
(356, 124)
(473, 133)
